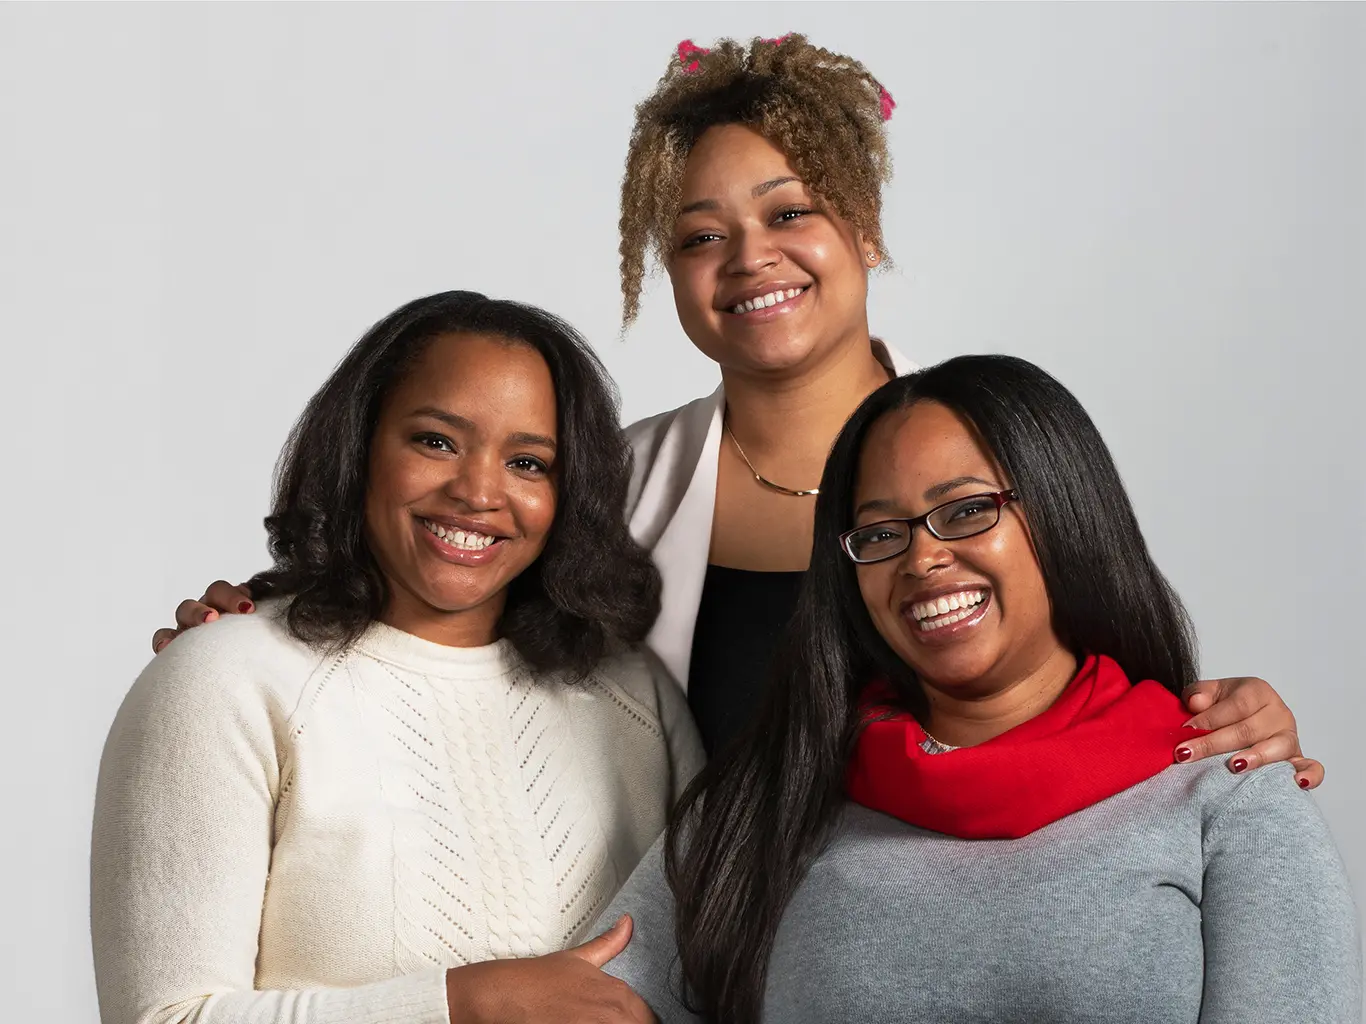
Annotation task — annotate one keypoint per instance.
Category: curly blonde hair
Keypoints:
(825, 111)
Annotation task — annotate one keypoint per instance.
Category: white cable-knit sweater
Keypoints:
(282, 836)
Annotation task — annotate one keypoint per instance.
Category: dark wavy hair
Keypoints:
(750, 825)
(591, 587)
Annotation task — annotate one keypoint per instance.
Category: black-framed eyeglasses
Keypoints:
(953, 520)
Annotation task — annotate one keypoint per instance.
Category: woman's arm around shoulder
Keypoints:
(1281, 933)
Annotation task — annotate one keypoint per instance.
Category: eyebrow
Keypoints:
(757, 192)
(939, 490)
(931, 494)
(458, 422)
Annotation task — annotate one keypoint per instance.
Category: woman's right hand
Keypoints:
(222, 598)
(562, 988)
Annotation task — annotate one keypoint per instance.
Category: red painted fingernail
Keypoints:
(1238, 765)
(1184, 753)
(1304, 783)
(244, 607)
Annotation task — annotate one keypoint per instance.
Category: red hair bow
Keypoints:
(887, 103)
(685, 51)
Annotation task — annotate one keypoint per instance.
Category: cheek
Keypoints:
(1019, 577)
(536, 507)
(398, 477)
(830, 254)
(875, 584)
(692, 287)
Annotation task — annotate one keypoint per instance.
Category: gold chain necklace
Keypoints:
(763, 481)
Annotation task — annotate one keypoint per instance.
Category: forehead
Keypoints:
(909, 450)
(480, 376)
(731, 157)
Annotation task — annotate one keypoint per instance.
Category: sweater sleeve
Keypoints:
(181, 852)
(686, 755)
(649, 963)
(1280, 928)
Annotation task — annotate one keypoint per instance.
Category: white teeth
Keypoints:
(764, 301)
(947, 620)
(466, 540)
(946, 610)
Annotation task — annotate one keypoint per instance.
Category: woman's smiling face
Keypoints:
(765, 277)
(969, 616)
(462, 487)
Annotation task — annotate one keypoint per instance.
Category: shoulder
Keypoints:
(669, 443)
(1223, 799)
(644, 434)
(634, 680)
(892, 358)
(235, 660)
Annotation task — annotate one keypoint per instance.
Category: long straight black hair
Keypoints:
(750, 825)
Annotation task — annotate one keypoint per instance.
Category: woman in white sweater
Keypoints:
(435, 745)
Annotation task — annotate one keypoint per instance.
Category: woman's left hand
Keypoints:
(1247, 716)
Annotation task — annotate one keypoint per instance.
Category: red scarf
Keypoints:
(1099, 738)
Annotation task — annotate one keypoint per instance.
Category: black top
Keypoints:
(739, 622)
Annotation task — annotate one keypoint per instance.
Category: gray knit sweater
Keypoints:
(1195, 897)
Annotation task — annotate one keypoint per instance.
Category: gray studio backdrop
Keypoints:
(201, 206)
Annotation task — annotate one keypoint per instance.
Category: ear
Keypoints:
(871, 251)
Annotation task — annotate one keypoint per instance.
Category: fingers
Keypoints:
(1308, 772)
(1280, 747)
(607, 945)
(1239, 736)
(223, 597)
(189, 614)
(1200, 696)
(1221, 702)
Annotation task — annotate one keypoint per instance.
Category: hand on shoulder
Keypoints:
(222, 598)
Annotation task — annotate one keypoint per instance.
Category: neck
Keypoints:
(793, 418)
(967, 720)
(475, 627)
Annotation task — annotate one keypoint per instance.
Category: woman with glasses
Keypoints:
(958, 800)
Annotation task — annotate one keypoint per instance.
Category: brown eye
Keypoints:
(697, 240)
(435, 442)
(528, 464)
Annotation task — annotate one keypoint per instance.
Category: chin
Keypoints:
(451, 600)
(762, 351)
(952, 668)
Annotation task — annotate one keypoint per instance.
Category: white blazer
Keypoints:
(670, 504)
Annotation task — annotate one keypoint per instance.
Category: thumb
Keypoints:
(1202, 696)
(607, 945)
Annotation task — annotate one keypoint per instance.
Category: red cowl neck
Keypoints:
(1100, 737)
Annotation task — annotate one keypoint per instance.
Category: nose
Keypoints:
(752, 252)
(477, 481)
(927, 554)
